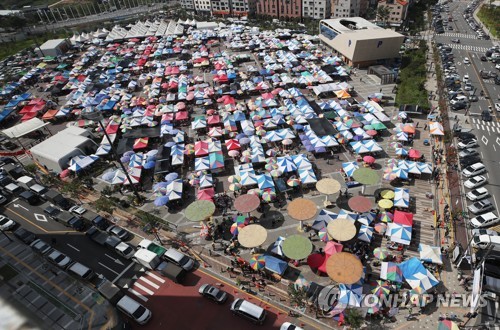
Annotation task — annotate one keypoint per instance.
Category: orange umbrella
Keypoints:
(345, 268)
(409, 129)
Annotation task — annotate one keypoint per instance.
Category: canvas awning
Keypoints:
(24, 128)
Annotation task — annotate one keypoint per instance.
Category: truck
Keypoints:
(26, 182)
(108, 290)
(146, 258)
(69, 220)
(97, 236)
(150, 246)
(57, 198)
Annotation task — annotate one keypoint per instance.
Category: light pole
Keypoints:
(97, 116)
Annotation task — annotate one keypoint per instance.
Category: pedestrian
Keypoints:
(360, 79)
(381, 90)
(416, 126)
(213, 246)
(425, 127)
(54, 241)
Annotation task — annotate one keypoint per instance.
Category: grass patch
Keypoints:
(489, 17)
(412, 77)
(8, 272)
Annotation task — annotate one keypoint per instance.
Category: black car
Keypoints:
(6, 160)
(483, 58)
(473, 98)
(51, 211)
(463, 136)
(469, 161)
(25, 235)
(459, 106)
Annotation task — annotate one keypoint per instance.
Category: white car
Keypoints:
(466, 60)
(125, 250)
(497, 107)
(466, 78)
(468, 87)
(6, 223)
(497, 66)
(479, 232)
(485, 220)
(477, 194)
(476, 181)
(473, 170)
(467, 144)
(290, 326)
(77, 210)
(59, 259)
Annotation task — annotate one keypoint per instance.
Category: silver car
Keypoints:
(59, 259)
(211, 292)
(481, 206)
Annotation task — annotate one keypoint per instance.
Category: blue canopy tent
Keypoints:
(275, 265)
(417, 275)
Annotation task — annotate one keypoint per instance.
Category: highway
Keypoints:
(487, 133)
(72, 243)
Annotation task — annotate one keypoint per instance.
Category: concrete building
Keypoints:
(345, 8)
(317, 9)
(202, 6)
(359, 42)
(187, 4)
(280, 8)
(233, 7)
(54, 47)
(398, 9)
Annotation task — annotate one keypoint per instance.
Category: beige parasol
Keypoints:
(341, 229)
(344, 267)
(328, 187)
(252, 236)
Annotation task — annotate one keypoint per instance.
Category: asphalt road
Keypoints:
(72, 243)
(488, 133)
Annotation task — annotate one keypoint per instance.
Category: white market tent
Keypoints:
(24, 128)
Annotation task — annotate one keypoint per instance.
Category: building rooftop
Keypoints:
(359, 28)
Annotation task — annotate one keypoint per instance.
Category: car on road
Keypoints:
(6, 223)
(455, 40)
(118, 232)
(481, 207)
(26, 236)
(465, 136)
(290, 326)
(40, 247)
(473, 170)
(497, 66)
(466, 144)
(248, 310)
(466, 78)
(59, 259)
(134, 310)
(483, 58)
(51, 211)
(468, 86)
(466, 60)
(475, 181)
(213, 293)
(485, 220)
(78, 210)
(477, 194)
(467, 153)
(479, 232)
(459, 106)
(125, 250)
(470, 160)
(497, 107)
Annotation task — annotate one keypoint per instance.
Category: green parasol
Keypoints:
(366, 176)
(199, 210)
(296, 247)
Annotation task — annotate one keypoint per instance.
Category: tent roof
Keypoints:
(24, 128)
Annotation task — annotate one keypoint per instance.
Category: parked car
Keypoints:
(473, 170)
(6, 223)
(59, 259)
(24, 235)
(77, 210)
(118, 232)
(3, 199)
(465, 136)
(290, 326)
(475, 181)
(465, 144)
(485, 220)
(40, 247)
(51, 211)
(467, 153)
(211, 292)
(481, 206)
(479, 232)
(467, 161)
(466, 60)
(478, 194)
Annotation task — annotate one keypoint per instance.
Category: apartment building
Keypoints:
(317, 9)
(233, 7)
(280, 8)
(348, 8)
(398, 9)
(187, 4)
(202, 6)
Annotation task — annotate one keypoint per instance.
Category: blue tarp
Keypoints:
(417, 275)
(5, 113)
(275, 265)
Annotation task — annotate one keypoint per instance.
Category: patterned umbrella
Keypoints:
(380, 227)
(233, 153)
(271, 152)
(323, 235)
(235, 227)
(234, 179)
(276, 173)
(258, 261)
(235, 186)
(268, 195)
(380, 253)
(241, 219)
(301, 282)
(447, 325)
(254, 191)
(293, 182)
(395, 145)
(269, 167)
(380, 288)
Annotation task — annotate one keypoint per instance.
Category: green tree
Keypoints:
(298, 296)
(31, 168)
(353, 318)
(73, 189)
(104, 204)
(383, 13)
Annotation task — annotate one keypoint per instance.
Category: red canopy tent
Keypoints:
(213, 120)
(181, 115)
(201, 148)
(403, 218)
(206, 194)
(141, 143)
(232, 144)
(330, 248)
(414, 153)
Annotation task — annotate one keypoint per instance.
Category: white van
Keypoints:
(486, 241)
(246, 309)
(134, 310)
(26, 181)
(180, 259)
(485, 220)
(81, 271)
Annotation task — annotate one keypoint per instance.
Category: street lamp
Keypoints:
(96, 116)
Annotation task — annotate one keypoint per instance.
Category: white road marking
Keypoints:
(151, 283)
(111, 270)
(71, 246)
(12, 201)
(482, 127)
(156, 277)
(143, 288)
(496, 205)
(138, 295)
(123, 272)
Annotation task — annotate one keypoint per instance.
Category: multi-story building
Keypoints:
(187, 4)
(317, 9)
(348, 8)
(398, 9)
(202, 6)
(233, 7)
(280, 8)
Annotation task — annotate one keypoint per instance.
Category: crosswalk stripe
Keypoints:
(488, 128)
(156, 277)
(151, 283)
(482, 127)
(138, 295)
(468, 47)
(143, 288)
